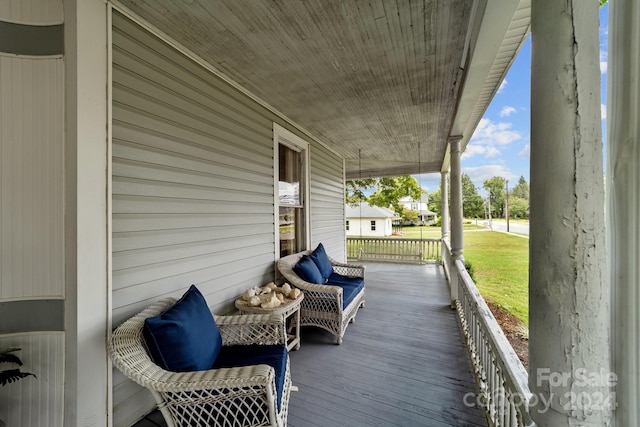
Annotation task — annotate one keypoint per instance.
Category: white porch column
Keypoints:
(444, 204)
(623, 191)
(87, 311)
(457, 239)
(456, 216)
(568, 292)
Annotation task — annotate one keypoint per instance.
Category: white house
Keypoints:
(143, 143)
(425, 216)
(367, 220)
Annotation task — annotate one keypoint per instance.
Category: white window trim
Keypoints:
(293, 141)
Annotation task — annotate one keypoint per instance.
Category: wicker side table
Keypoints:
(290, 308)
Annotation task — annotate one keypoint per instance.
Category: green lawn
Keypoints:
(501, 270)
(429, 232)
(500, 265)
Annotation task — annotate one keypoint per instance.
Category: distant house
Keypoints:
(367, 220)
(425, 216)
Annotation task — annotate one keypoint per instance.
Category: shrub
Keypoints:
(469, 268)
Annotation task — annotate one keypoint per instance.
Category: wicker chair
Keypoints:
(323, 304)
(243, 396)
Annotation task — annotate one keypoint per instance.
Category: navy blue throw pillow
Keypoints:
(308, 270)
(320, 257)
(185, 336)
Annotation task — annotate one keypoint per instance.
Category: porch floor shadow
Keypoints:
(402, 363)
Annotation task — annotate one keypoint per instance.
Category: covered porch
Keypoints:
(403, 363)
(145, 157)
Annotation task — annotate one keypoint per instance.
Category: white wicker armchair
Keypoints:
(243, 396)
(323, 304)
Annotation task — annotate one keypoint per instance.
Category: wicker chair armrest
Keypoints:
(349, 270)
(151, 376)
(264, 329)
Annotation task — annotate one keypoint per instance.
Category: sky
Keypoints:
(500, 145)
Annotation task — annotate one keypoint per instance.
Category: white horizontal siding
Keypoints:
(192, 187)
(32, 12)
(35, 401)
(327, 202)
(31, 178)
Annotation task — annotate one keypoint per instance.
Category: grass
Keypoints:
(500, 265)
(501, 270)
(428, 232)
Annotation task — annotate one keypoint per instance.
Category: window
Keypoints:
(291, 191)
(347, 225)
(373, 226)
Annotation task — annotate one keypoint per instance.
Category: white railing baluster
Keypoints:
(502, 379)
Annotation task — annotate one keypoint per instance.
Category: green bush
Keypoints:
(469, 268)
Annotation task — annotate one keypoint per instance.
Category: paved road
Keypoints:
(501, 225)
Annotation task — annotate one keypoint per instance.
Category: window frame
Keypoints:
(282, 136)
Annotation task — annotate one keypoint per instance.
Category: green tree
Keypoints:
(472, 203)
(496, 188)
(387, 192)
(521, 189)
(434, 203)
(518, 207)
(390, 190)
(409, 215)
(355, 192)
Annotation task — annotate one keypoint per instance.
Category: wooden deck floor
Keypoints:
(402, 363)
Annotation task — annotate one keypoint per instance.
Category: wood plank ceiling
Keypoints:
(378, 81)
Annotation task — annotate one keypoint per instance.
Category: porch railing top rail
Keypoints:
(392, 249)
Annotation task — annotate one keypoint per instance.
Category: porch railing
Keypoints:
(502, 379)
(384, 249)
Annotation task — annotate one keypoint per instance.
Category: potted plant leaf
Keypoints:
(8, 376)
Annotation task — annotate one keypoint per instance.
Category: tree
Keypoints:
(355, 190)
(521, 189)
(472, 203)
(518, 207)
(387, 192)
(496, 188)
(434, 203)
(390, 190)
(411, 216)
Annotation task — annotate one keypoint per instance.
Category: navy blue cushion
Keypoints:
(308, 270)
(184, 337)
(351, 286)
(234, 356)
(320, 257)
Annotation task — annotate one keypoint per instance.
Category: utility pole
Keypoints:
(490, 222)
(506, 204)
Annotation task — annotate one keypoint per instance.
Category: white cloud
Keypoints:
(603, 67)
(507, 111)
(603, 111)
(503, 84)
(473, 150)
(604, 54)
(479, 174)
(526, 151)
(488, 136)
(489, 133)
